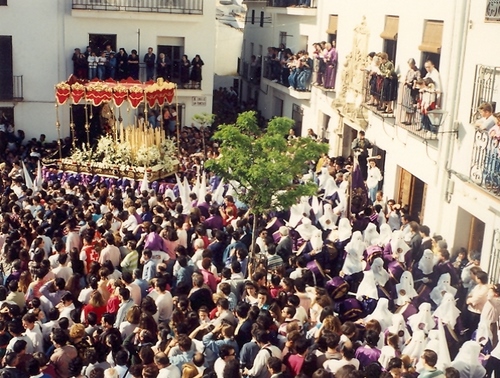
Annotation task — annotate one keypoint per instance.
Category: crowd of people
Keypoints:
(420, 94)
(107, 64)
(110, 281)
(297, 71)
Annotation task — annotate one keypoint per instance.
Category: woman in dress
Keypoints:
(133, 65)
(195, 76)
(410, 93)
(185, 65)
(122, 64)
(390, 85)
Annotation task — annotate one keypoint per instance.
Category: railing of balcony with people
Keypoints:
(292, 71)
(406, 104)
(485, 160)
(152, 6)
(12, 89)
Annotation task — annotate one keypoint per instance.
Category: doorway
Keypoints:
(297, 114)
(412, 192)
(347, 138)
(469, 232)
(98, 42)
(277, 107)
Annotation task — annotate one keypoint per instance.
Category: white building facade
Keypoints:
(448, 177)
(37, 40)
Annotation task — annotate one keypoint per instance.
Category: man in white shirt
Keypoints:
(110, 252)
(226, 353)
(199, 246)
(267, 350)
(164, 301)
(63, 270)
(433, 73)
(33, 331)
(167, 370)
(487, 121)
(135, 290)
(125, 304)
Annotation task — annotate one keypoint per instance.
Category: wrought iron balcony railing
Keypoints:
(485, 162)
(405, 111)
(12, 91)
(152, 6)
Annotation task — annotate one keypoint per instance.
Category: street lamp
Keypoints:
(437, 117)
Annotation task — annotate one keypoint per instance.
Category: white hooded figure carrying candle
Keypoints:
(381, 313)
(404, 289)
(328, 220)
(443, 286)
(423, 319)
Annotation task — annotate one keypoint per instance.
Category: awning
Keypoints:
(433, 35)
(332, 24)
(391, 28)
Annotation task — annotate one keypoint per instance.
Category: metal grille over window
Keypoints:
(484, 88)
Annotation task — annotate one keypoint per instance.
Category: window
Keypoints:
(98, 42)
(492, 10)
(332, 27)
(173, 48)
(253, 16)
(3, 2)
(390, 36)
(484, 89)
(6, 68)
(431, 43)
(261, 19)
(283, 36)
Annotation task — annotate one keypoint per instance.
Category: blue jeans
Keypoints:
(92, 72)
(292, 79)
(303, 79)
(372, 192)
(101, 72)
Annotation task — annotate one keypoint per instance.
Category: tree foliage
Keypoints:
(264, 163)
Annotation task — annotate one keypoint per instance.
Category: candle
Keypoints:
(122, 135)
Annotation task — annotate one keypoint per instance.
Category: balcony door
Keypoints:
(412, 192)
(98, 42)
(6, 68)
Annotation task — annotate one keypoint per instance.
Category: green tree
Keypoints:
(264, 163)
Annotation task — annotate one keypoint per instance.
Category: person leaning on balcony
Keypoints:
(487, 120)
(434, 74)
(426, 102)
(390, 85)
(495, 130)
(150, 60)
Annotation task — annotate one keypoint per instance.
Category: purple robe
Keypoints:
(331, 60)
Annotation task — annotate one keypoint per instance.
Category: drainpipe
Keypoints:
(454, 79)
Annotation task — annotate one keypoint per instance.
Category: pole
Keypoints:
(58, 127)
(138, 43)
(87, 126)
(177, 126)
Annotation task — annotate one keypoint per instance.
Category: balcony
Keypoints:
(404, 114)
(485, 162)
(14, 92)
(275, 76)
(147, 6)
